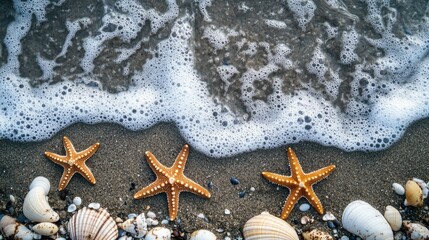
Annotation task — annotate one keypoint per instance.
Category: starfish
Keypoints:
(172, 181)
(73, 162)
(300, 184)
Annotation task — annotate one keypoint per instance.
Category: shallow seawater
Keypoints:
(233, 76)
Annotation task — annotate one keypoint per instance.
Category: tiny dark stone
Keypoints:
(234, 181)
(295, 221)
(133, 186)
(210, 184)
(331, 224)
(337, 223)
(242, 194)
(63, 194)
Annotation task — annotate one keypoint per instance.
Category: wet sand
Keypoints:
(120, 164)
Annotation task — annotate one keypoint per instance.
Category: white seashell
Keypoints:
(329, 217)
(398, 188)
(137, 226)
(158, 233)
(12, 198)
(77, 201)
(202, 234)
(413, 194)
(36, 207)
(91, 224)
(361, 219)
(45, 228)
(13, 230)
(316, 234)
(304, 207)
(227, 212)
(393, 217)
(266, 225)
(71, 208)
(164, 222)
(94, 206)
(416, 231)
(151, 214)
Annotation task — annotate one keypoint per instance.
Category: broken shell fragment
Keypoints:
(91, 224)
(202, 234)
(398, 188)
(416, 231)
(137, 226)
(36, 207)
(413, 194)
(393, 217)
(316, 234)
(267, 226)
(14, 230)
(45, 228)
(158, 233)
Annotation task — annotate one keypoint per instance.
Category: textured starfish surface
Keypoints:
(73, 162)
(172, 181)
(299, 183)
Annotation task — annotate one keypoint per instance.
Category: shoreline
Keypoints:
(120, 164)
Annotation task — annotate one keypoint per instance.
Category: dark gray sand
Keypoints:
(120, 163)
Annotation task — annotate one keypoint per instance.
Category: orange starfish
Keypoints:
(172, 181)
(299, 183)
(73, 162)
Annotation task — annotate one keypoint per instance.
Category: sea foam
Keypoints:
(228, 90)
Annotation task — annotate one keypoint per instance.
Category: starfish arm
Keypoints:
(173, 202)
(311, 196)
(181, 159)
(87, 153)
(65, 178)
(155, 165)
(190, 186)
(58, 159)
(86, 173)
(295, 167)
(154, 188)
(68, 146)
(280, 179)
(290, 202)
(320, 174)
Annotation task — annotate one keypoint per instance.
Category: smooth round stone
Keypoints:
(151, 214)
(398, 188)
(94, 206)
(234, 181)
(77, 201)
(71, 208)
(304, 207)
(227, 212)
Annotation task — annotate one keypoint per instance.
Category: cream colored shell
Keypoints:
(413, 194)
(158, 233)
(91, 224)
(13, 230)
(36, 207)
(137, 226)
(45, 228)
(393, 217)
(267, 226)
(361, 219)
(316, 234)
(203, 234)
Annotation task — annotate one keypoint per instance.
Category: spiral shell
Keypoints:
(267, 226)
(413, 194)
(362, 219)
(91, 224)
(36, 207)
(137, 226)
(393, 217)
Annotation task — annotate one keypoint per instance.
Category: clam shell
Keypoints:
(137, 226)
(45, 229)
(267, 226)
(361, 219)
(416, 231)
(393, 217)
(158, 233)
(316, 234)
(91, 224)
(36, 207)
(413, 194)
(203, 234)
(13, 230)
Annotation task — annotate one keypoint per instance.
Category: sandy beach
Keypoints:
(121, 170)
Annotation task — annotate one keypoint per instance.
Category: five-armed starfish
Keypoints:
(299, 183)
(172, 181)
(73, 162)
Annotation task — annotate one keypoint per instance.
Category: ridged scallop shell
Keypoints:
(137, 226)
(158, 233)
(413, 194)
(316, 234)
(13, 230)
(393, 217)
(361, 219)
(91, 224)
(267, 226)
(36, 207)
(45, 228)
(203, 234)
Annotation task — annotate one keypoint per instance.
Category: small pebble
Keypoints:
(344, 238)
(12, 198)
(331, 225)
(304, 207)
(220, 230)
(227, 238)
(164, 222)
(60, 238)
(227, 212)
(71, 208)
(210, 184)
(252, 189)
(151, 214)
(201, 215)
(242, 194)
(234, 181)
(77, 201)
(398, 188)
(132, 215)
(119, 220)
(328, 216)
(62, 230)
(155, 222)
(94, 205)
